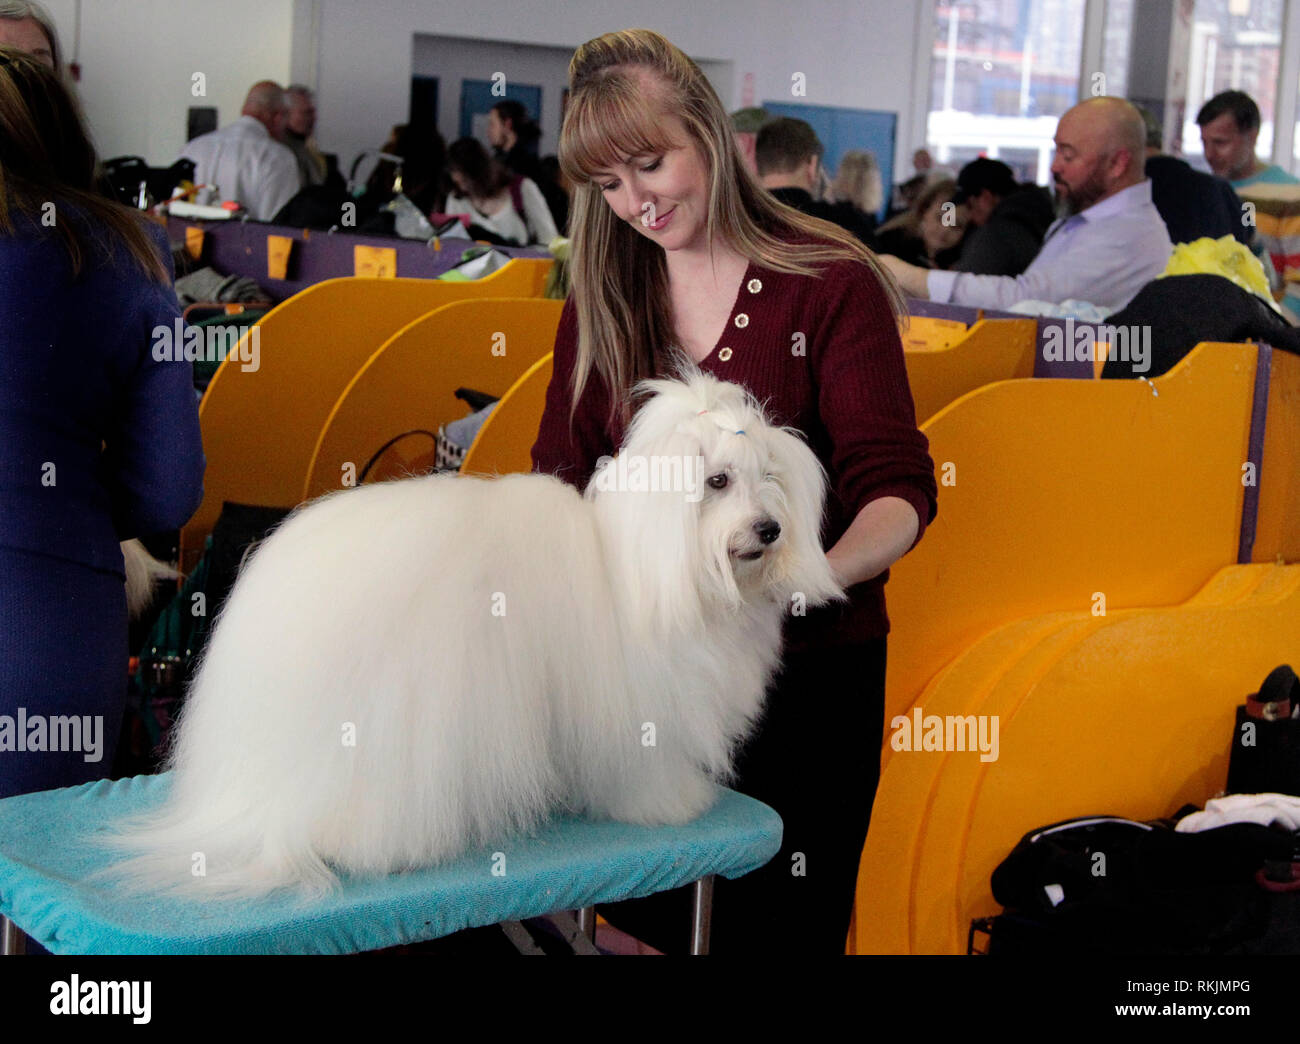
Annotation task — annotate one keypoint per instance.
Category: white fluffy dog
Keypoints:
(407, 669)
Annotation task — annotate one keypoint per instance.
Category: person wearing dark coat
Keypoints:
(1192, 203)
(1008, 220)
(788, 156)
(99, 433)
(1195, 204)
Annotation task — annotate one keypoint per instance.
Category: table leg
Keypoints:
(12, 939)
(587, 922)
(701, 915)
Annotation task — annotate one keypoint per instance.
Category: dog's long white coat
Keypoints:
(409, 668)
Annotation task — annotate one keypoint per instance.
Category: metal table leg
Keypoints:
(587, 922)
(12, 939)
(701, 915)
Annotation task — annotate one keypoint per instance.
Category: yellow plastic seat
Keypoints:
(992, 350)
(1129, 714)
(1055, 492)
(409, 384)
(504, 444)
(260, 426)
(922, 332)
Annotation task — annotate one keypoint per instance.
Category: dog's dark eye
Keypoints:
(718, 481)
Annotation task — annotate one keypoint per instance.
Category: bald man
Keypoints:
(247, 161)
(1109, 241)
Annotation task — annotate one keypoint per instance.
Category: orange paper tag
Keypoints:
(374, 262)
(194, 242)
(277, 256)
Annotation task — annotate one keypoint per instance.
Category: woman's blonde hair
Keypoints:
(857, 181)
(619, 277)
(47, 160)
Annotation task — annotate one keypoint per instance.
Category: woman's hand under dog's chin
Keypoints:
(883, 531)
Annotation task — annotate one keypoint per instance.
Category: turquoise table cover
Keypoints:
(46, 853)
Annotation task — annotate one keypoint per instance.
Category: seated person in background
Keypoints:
(248, 160)
(424, 168)
(1193, 204)
(1008, 220)
(745, 125)
(1111, 242)
(906, 192)
(299, 125)
(507, 205)
(27, 27)
(929, 235)
(514, 136)
(788, 156)
(857, 193)
(1229, 125)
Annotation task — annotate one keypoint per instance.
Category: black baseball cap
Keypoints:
(983, 173)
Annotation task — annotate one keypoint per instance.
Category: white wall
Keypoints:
(138, 59)
(455, 58)
(856, 53)
(138, 56)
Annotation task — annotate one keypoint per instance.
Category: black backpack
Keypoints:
(1115, 886)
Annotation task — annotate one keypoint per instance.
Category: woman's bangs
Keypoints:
(609, 127)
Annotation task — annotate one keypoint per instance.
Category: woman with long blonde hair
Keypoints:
(99, 433)
(857, 187)
(680, 257)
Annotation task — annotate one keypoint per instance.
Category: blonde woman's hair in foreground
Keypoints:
(621, 86)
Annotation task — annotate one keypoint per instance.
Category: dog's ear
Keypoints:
(648, 501)
(803, 484)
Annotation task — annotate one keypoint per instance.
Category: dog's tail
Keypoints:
(212, 851)
(143, 571)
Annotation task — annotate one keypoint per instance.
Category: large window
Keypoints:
(1002, 73)
(1116, 46)
(1235, 45)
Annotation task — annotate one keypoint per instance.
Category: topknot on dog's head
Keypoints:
(669, 403)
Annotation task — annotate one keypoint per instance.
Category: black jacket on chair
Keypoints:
(1182, 311)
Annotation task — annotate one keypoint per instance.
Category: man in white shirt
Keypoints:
(246, 160)
(1110, 241)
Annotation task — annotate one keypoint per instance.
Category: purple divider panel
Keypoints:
(1255, 452)
(238, 247)
(942, 310)
(1055, 354)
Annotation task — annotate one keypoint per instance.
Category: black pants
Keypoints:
(815, 759)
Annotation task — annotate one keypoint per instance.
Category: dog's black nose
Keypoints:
(768, 530)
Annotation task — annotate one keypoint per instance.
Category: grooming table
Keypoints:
(569, 864)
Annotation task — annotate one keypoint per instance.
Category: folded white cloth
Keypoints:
(1265, 809)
